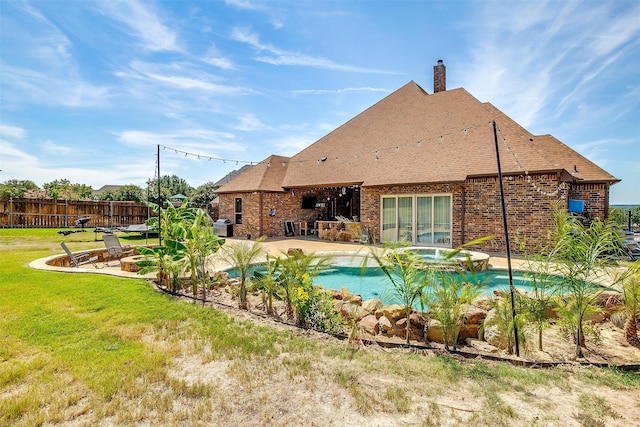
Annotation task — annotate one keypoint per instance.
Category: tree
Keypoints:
(169, 186)
(199, 243)
(620, 216)
(64, 189)
(503, 319)
(16, 188)
(580, 253)
(445, 302)
(407, 274)
(537, 304)
(631, 293)
(130, 192)
(203, 195)
(242, 256)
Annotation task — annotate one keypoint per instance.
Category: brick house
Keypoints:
(421, 167)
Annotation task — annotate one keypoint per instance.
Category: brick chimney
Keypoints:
(439, 77)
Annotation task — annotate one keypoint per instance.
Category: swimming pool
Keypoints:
(346, 272)
(372, 283)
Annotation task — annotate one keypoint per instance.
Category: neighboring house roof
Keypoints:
(265, 176)
(412, 137)
(105, 188)
(230, 176)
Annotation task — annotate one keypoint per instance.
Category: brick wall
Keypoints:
(595, 196)
(476, 208)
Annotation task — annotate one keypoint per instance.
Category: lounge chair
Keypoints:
(79, 258)
(633, 249)
(114, 248)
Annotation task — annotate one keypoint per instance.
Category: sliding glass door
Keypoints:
(424, 219)
(421, 219)
(389, 220)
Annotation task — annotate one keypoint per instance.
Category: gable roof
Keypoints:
(230, 176)
(265, 176)
(412, 137)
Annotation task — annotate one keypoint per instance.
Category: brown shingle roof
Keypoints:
(265, 176)
(413, 137)
(231, 176)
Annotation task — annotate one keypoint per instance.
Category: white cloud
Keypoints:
(342, 90)
(181, 76)
(51, 147)
(28, 86)
(249, 122)
(197, 141)
(244, 4)
(12, 131)
(536, 59)
(282, 57)
(292, 144)
(13, 155)
(144, 23)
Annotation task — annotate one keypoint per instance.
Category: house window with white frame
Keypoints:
(237, 207)
(417, 218)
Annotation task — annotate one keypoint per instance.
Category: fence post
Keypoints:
(10, 212)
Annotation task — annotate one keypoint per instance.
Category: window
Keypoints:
(238, 210)
(424, 219)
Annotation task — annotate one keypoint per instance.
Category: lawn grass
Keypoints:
(93, 349)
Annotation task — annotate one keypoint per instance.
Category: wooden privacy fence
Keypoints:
(36, 213)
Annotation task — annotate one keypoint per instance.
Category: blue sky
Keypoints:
(89, 88)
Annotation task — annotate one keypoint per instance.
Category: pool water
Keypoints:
(374, 284)
(371, 282)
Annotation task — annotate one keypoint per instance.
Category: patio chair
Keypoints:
(633, 249)
(114, 248)
(79, 258)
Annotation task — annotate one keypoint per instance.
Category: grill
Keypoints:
(223, 227)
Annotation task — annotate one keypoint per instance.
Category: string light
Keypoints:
(535, 186)
(377, 154)
(201, 156)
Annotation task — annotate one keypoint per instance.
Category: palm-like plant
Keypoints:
(535, 305)
(505, 321)
(295, 272)
(631, 292)
(165, 260)
(407, 274)
(269, 284)
(242, 256)
(579, 254)
(446, 300)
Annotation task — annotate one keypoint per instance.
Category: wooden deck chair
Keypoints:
(114, 248)
(79, 258)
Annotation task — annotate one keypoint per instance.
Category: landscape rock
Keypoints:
(473, 315)
(482, 302)
(352, 310)
(491, 333)
(434, 332)
(392, 311)
(384, 324)
(369, 324)
(371, 305)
